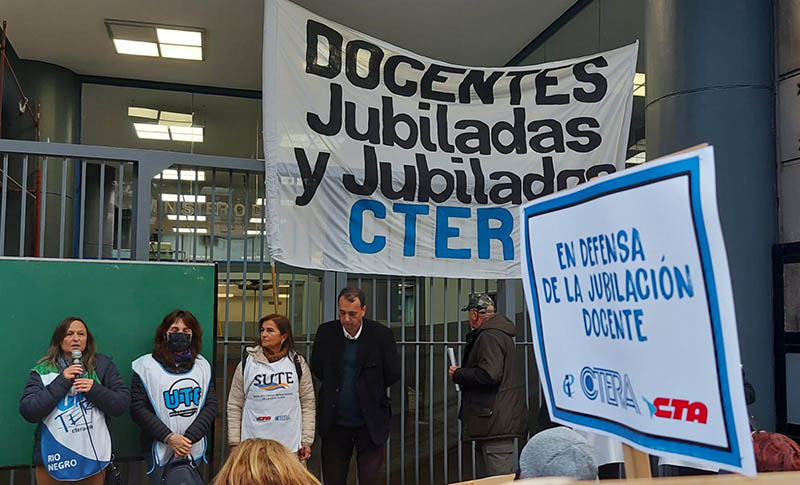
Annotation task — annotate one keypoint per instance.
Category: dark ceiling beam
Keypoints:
(551, 29)
(188, 88)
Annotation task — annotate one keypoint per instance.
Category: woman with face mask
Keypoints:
(172, 395)
(71, 394)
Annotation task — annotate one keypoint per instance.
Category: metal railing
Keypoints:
(79, 201)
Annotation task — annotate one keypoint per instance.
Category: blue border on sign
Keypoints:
(689, 167)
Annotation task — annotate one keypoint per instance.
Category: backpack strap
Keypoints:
(244, 359)
(297, 367)
(295, 358)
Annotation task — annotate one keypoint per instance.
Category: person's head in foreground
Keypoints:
(775, 452)
(263, 462)
(558, 452)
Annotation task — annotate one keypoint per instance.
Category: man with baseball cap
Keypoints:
(493, 410)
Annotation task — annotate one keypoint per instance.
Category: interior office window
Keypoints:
(176, 121)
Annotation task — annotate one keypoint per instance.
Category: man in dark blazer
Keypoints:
(356, 361)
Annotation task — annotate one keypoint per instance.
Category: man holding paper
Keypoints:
(493, 410)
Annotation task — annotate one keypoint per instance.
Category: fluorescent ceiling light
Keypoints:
(181, 52)
(256, 220)
(188, 175)
(151, 131)
(166, 118)
(638, 84)
(173, 217)
(136, 47)
(186, 133)
(186, 130)
(143, 112)
(173, 123)
(150, 127)
(254, 232)
(144, 39)
(260, 201)
(150, 135)
(179, 37)
(171, 116)
(190, 230)
(188, 138)
(640, 157)
(184, 198)
(159, 131)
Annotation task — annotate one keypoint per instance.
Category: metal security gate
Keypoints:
(78, 201)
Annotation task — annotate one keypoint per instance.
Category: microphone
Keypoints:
(77, 357)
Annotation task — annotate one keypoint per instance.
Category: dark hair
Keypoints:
(284, 327)
(350, 294)
(775, 452)
(160, 349)
(54, 351)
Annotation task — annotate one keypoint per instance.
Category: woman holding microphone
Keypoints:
(172, 394)
(71, 393)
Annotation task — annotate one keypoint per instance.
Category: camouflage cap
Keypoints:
(479, 302)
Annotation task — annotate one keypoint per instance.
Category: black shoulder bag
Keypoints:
(182, 471)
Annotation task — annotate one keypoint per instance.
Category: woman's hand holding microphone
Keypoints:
(74, 373)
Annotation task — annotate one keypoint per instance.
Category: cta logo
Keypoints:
(680, 409)
(611, 387)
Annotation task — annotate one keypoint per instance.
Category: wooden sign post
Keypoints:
(637, 463)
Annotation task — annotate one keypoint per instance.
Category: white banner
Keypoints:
(382, 161)
(628, 289)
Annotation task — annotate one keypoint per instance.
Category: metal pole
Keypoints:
(63, 214)
(43, 209)
(23, 203)
(119, 210)
(100, 211)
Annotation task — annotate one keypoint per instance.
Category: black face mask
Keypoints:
(178, 342)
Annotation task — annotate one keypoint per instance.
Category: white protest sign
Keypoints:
(627, 284)
(382, 161)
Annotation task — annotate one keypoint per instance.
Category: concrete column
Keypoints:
(56, 89)
(710, 79)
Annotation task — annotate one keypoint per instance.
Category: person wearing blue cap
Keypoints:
(493, 411)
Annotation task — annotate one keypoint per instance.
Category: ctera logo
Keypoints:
(569, 380)
(680, 409)
(612, 388)
(183, 397)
